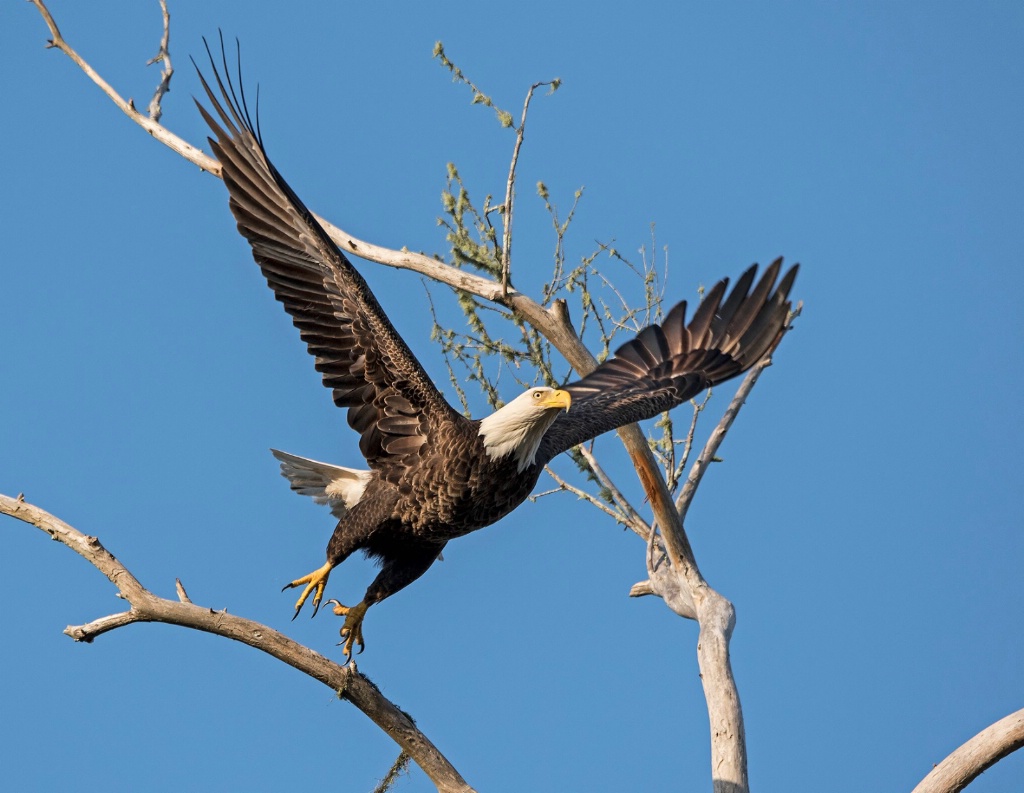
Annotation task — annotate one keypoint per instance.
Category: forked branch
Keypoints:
(144, 606)
(163, 55)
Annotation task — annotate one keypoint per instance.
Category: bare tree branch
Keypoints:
(662, 582)
(347, 681)
(506, 241)
(186, 150)
(630, 516)
(707, 455)
(583, 495)
(164, 54)
(677, 468)
(983, 750)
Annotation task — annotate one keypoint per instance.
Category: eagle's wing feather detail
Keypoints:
(370, 370)
(669, 363)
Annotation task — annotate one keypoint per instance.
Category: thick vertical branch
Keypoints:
(716, 617)
(715, 614)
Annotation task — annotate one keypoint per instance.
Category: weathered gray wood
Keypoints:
(983, 750)
(346, 681)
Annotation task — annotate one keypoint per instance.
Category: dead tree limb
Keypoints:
(510, 194)
(983, 751)
(144, 606)
(163, 55)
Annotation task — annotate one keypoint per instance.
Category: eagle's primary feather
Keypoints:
(434, 474)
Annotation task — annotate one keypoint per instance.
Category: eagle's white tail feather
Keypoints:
(338, 487)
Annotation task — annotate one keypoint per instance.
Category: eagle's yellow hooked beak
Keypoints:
(557, 399)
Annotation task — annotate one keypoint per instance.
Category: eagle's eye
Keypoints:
(537, 394)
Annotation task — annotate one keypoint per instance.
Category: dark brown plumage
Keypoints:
(434, 474)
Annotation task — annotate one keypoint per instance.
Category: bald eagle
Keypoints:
(434, 474)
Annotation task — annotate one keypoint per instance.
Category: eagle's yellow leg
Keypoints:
(315, 581)
(352, 630)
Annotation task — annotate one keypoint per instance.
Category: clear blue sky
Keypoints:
(866, 521)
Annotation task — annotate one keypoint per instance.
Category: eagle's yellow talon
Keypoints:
(315, 582)
(352, 630)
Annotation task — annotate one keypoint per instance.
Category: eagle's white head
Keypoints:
(519, 427)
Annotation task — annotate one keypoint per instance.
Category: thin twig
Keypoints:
(506, 240)
(677, 470)
(618, 517)
(634, 521)
(164, 54)
(707, 455)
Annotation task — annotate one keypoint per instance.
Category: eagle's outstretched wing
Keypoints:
(391, 401)
(669, 363)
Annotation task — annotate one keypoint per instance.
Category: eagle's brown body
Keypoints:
(408, 530)
(464, 492)
(434, 474)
